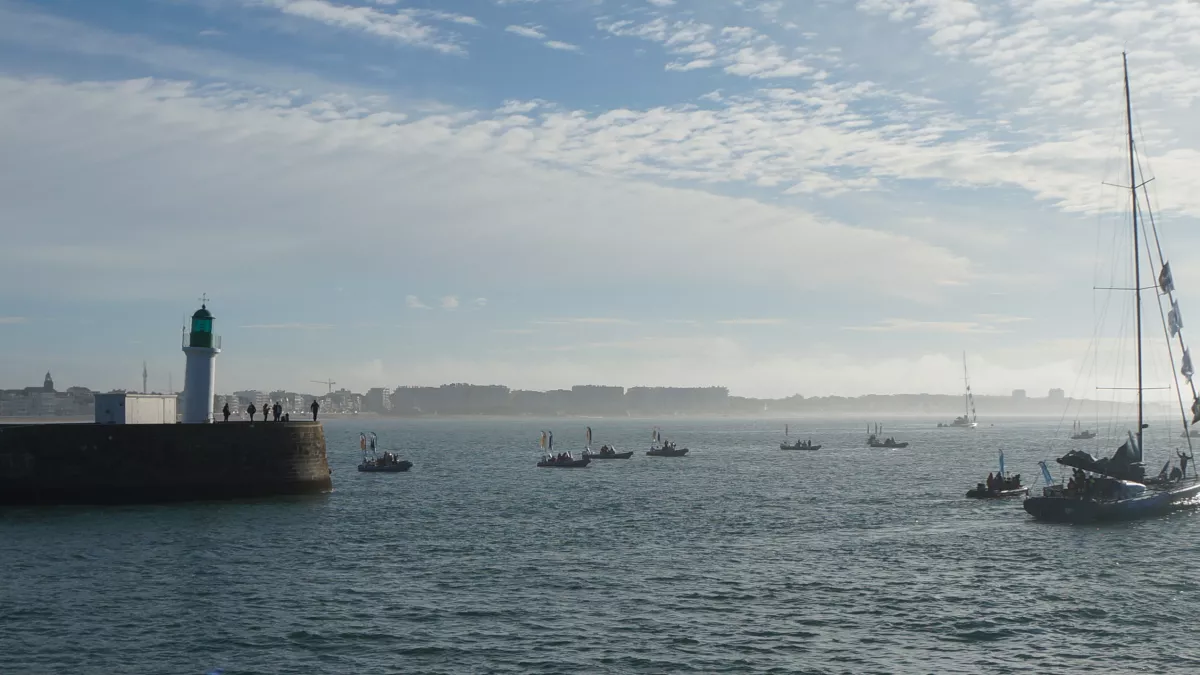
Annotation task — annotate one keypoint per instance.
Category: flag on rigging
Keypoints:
(1046, 473)
(1187, 370)
(1165, 281)
(1174, 319)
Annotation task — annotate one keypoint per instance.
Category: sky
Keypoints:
(818, 197)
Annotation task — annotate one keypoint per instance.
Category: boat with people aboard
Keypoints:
(377, 463)
(605, 452)
(968, 420)
(1078, 433)
(798, 445)
(562, 460)
(661, 447)
(1000, 485)
(874, 440)
(1116, 488)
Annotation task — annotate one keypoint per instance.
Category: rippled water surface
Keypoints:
(739, 557)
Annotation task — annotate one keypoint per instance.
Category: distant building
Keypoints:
(1057, 395)
(1018, 393)
(126, 408)
(378, 400)
(48, 383)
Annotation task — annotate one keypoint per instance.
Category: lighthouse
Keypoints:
(200, 376)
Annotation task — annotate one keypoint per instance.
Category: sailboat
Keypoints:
(1078, 433)
(967, 420)
(873, 440)
(1115, 488)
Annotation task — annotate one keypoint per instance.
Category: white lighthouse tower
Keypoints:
(200, 377)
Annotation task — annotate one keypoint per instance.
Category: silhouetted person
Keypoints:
(315, 407)
(278, 410)
(225, 412)
(250, 410)
(1183, 462)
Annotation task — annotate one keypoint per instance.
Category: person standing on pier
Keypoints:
(250, 410)
(315, 407)
(278, 410)
(225, 412)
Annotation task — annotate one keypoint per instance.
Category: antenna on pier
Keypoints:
(145, 375)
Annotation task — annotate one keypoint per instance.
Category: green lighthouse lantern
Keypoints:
(201, 335)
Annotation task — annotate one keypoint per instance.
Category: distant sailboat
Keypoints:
(968, 420)
(1078, 433)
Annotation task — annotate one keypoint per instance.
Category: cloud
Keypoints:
(741, 50)
(400, 26)
(752, 322)
(413, 302)
(293, 165)
(513, 331)
(562, 46)
(536, 33)
(532, 32)
(450, 303)
(10, 320)
(480, 302)
(583, 320)
(1001, 318)
(288, 326)
(911, 326)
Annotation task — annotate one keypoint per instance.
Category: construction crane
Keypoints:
(327, 383)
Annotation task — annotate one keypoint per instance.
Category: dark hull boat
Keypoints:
(985, 493)
(1115, 488)
(873, 440)
(798, 446)
(666, 452)
(1079, 434)
(610, 455)
(1061, 508)
(375, 467)
(564, 464)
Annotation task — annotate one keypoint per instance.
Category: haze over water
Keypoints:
(737, 558)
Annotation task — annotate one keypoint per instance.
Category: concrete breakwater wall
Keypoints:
(139, 463)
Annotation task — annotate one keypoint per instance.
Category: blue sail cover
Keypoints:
(1046, 473)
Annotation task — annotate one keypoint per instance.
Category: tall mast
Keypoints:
(1137, 267)
(967, 393)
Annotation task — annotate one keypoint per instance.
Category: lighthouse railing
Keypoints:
(204, 340)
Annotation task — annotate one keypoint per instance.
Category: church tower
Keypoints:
(48, 384)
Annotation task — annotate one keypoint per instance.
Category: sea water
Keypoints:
(739, 557)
